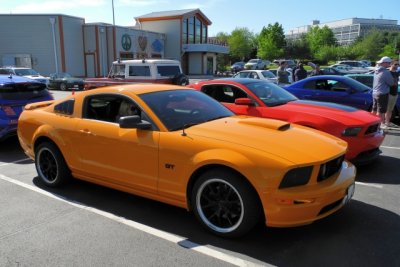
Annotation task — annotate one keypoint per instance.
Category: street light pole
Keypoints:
(112, 1)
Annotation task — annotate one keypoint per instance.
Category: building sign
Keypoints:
(142, 40)
(157, 46)
(126, 42)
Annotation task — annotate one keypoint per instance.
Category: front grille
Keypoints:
(330, 207)
(329, 168)
(372, 129)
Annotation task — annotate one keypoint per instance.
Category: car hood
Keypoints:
(344, 114)
(294, 143)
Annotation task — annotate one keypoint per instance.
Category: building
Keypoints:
(347, 30)
(52, 43)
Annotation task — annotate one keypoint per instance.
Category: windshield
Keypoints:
(25, 72)
(18, 91)
(178, 109)
(118, 70)
(270, 94)
(359, 87)
(253, 61)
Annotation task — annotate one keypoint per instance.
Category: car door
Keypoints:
(127, 157)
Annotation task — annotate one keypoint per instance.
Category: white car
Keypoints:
(256, 64)
(25, 72)
(257, 74)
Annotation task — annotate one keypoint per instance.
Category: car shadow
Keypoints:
(11, 151)
(388, 171)
(358, 235)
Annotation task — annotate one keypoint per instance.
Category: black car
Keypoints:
(237, 66)
(63, 81)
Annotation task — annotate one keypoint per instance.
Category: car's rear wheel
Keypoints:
(63, 87)
(224, 203)
(50, 165)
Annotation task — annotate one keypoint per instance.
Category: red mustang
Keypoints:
(264, 99)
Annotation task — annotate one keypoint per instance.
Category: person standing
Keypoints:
(316, 71)
(380, 89)
(282, 74)
(300, 73)
(393, 92)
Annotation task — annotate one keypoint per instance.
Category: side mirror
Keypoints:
(133, 122)
(244, 101)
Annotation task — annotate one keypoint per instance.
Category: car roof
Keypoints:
(137, 89)
(10, 79)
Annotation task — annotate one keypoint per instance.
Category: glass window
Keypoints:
(198, 31)
(169, 71)
(204, 34)
(139, 70)
(185, 31)
(23, 91)
(66, 107)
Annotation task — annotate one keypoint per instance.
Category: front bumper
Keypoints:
(365, 149)
(305, 204)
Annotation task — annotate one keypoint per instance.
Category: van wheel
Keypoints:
(51, 166)
(224, 203)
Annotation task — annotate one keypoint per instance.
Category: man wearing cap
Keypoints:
(380, 89)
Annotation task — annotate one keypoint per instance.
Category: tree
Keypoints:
(223, 60)
(320, 37)
(370, 46)
(271, 42)
(241, 43)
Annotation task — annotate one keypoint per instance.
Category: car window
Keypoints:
(242, 75)
(337, 86)
(268, 74)
(179, 109)
(168, 71)
(224, 93)
(253, 75)
(65, 108)
(270, 93)
(25, 72)
(139, 71)
(110, 108)
(5, 71)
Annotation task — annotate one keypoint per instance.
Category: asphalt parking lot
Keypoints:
(87, 225)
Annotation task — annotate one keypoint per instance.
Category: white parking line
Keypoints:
(17, 161)
(370, 185)
(182, 242)
(390, 147)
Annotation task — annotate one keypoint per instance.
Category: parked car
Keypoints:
(333, 71)
(237, 66)
(186, 149)
(359, 64)
(257, 74)
(367, 79)
(63, 81)
(348, 69)
(358, 128)
(337, 89)
(15, 93)
(256, 64)
(25, 72)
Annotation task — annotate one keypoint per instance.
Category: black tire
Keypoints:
(51, 166)
(224, 203)
(180, 79)
(63, 87)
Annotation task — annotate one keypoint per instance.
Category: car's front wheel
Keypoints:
(50, 165)
(224, 203)
(63, 87)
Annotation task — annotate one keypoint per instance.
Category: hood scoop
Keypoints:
(267, 123)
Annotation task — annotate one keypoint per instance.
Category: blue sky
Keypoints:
(225, 15)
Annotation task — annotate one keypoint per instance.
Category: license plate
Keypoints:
(349, 194)
(12, 122)
(76, 86)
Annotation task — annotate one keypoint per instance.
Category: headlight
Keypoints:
(296, 177)
(351, 131)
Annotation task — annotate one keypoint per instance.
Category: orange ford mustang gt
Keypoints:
(179, 146)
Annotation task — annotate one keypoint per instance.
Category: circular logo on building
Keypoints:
(126, 42)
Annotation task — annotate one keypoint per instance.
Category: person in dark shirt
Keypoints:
(393, 92)
(300, 73)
